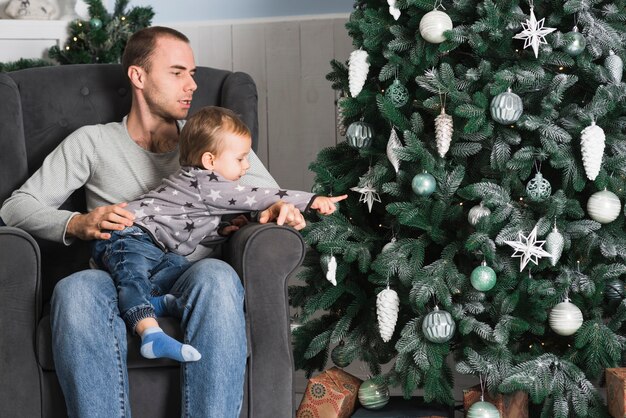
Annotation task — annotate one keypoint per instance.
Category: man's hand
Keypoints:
(326, 205)
(91, 225)
(283, 213)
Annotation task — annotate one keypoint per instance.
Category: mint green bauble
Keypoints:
(372, 395)
(506, 108)
(483, 278)
(95, 23)
(423, 184)
(438, 326)
(338, 356)
(482, 409)
(575, 42)
(397, 94)
(538, 189)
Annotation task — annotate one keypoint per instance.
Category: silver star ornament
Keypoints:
(534, 33)
(527, 248)
(369, 195)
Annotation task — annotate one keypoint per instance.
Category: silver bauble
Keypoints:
(433, 25)
(603, 206)
(565, 318)
(360, 134)
(482, 409)
(478, 212)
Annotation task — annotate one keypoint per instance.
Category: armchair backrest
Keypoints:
(39, 107)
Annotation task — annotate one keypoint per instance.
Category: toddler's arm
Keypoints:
(326, 204)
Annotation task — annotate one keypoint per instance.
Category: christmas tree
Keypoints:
(485, 161)
(103, 37)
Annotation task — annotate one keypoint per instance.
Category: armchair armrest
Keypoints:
(264, 256)
(20, 307)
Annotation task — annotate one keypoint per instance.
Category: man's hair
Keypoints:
(142, 43)
(204, 132)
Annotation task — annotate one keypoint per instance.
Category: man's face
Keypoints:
(169, 83)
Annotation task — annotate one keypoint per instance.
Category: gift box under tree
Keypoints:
(512, 405)
(330, 394)
(616, 391)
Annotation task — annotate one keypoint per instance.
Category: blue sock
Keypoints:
(157, 344)
(163, 305)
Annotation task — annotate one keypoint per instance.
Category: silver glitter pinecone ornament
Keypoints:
(554, 245)
(443, 132)
(387, 305)
(615, 65)
(592, 149)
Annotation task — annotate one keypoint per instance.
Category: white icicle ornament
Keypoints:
(394, 145)
(387, 305)
(443, 132)
(393, 10)
(357, 71)
(592, 149)
(331, 273)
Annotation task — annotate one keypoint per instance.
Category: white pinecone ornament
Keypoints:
(592, 149)
(394, 145)
(357, 71)
(387, 304)
(443, 132)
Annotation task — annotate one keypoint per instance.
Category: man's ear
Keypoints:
(207, 160)
(136, 76)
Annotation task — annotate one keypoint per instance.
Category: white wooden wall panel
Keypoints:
(249, 57)
(283, 102)
(317, 108)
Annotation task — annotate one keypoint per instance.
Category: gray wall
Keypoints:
(168, 11)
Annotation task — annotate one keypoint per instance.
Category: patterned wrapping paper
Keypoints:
(616, 391)
(511, 405)
(331, 394)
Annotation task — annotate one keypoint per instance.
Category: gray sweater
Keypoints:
(111, 166)
(187, 207)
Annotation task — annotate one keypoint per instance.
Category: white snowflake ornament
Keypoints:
(534, 33)
(527, 248)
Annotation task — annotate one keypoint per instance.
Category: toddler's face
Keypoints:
(232, 160)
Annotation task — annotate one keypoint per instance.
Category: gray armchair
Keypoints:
(38, 108)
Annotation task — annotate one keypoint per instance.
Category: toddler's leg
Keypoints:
(157, 344)
(164, 305)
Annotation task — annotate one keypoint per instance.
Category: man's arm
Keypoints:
(34, 207)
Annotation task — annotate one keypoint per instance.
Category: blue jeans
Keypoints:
(89, 343)
(139, 268)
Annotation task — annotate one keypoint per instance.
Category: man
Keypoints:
(118, 162)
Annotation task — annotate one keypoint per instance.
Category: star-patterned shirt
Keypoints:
(187, 207)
